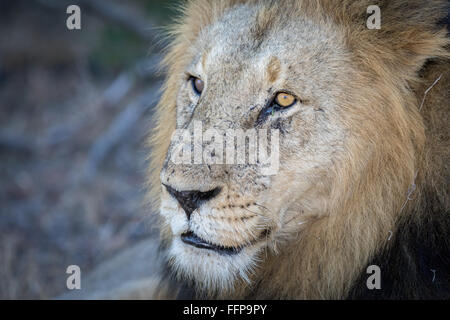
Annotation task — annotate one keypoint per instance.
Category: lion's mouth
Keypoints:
(194, 240)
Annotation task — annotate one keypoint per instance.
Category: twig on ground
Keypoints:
(125, 82)
(117, 130)
(16, 143)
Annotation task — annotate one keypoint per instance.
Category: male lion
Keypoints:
(363, 166)
(362, 116)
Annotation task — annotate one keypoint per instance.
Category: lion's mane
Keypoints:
(393, 211)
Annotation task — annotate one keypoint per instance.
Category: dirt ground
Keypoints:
(75, 108)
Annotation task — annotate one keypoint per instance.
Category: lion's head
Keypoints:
(332, 100)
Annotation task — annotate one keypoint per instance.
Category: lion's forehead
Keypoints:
(235, 38)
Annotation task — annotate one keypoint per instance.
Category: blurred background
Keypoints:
(75, 108)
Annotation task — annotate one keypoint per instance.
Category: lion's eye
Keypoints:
(198, 85)
(280, 103)
(285, 100)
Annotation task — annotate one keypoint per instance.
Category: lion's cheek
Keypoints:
(171, 214)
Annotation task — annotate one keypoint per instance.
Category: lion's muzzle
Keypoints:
(191, 200)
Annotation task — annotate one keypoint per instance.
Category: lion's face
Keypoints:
(282, 77)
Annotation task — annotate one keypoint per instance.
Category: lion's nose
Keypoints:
(191, 200)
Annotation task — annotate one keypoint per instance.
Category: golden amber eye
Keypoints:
(198, 85)
(285, 99)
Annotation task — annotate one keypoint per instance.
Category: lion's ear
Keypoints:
(409, 32)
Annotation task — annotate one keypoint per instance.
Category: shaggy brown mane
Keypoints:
(400, 184)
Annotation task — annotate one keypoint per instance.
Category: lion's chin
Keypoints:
(211, 269)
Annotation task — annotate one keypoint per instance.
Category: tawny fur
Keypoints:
(369, 195)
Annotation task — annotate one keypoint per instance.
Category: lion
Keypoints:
(363, 165)
(363, 149)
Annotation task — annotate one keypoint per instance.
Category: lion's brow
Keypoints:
(204, 57)
(273, 69)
